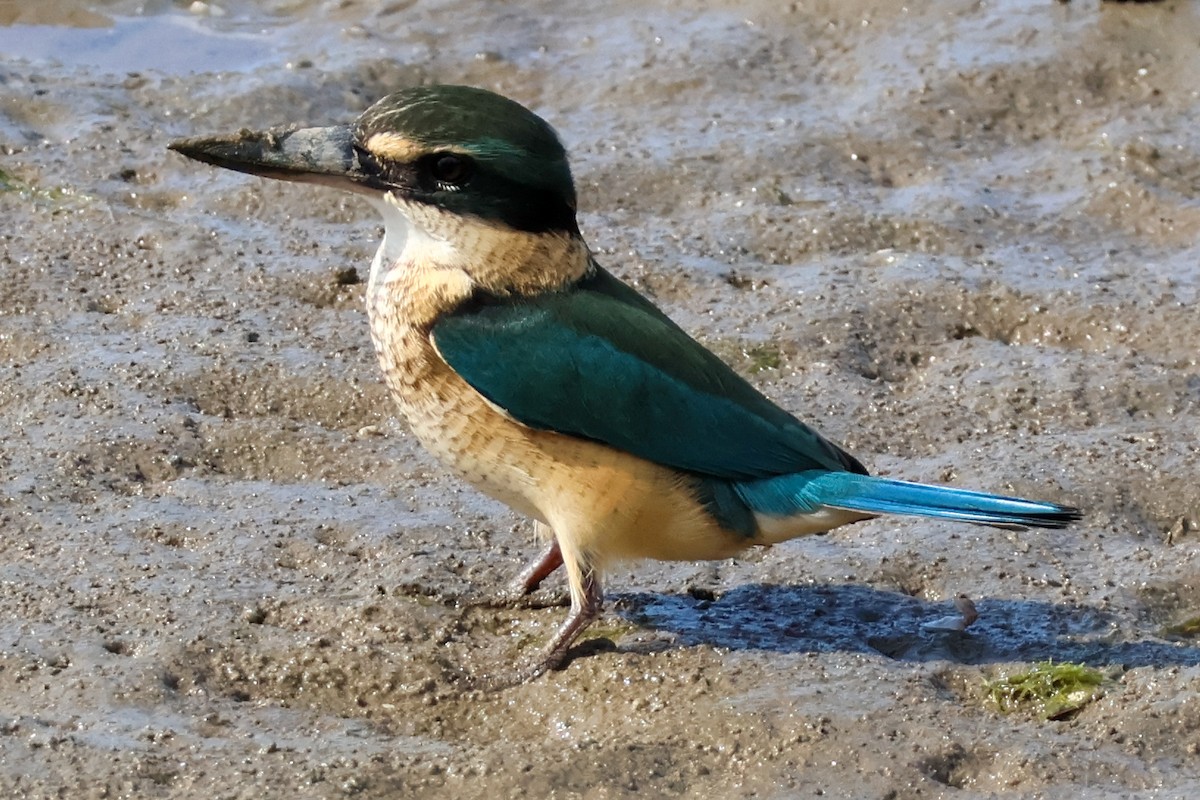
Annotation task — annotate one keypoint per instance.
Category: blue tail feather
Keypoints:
(806, 492)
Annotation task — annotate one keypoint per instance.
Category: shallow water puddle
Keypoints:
(174, 43)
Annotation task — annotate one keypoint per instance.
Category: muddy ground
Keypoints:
(961, 239)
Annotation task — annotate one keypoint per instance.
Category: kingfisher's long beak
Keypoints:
(308, 155)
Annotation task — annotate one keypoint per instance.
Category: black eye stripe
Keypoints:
(455, 181)
(377, 172)
(367, 161)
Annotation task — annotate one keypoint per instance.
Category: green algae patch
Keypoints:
(1186, 629)
(1050, 690)
(763, 357)
(54, 198)
(748, 359)
(8, 182)
(612, 632)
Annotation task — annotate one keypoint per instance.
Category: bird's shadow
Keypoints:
(860, 619)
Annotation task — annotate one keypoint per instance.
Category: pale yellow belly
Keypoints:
(609, 504)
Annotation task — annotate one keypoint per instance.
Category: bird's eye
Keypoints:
(451, 170)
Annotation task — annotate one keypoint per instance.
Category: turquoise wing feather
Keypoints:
(601, 362)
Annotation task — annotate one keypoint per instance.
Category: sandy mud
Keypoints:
(961, 239)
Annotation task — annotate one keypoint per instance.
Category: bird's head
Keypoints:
(463, 176)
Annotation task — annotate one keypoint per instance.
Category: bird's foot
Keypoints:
(498, 681)
(558, 653)
(546, 662)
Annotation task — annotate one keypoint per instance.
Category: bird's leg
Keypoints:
(528, 579)
(587, 597)
(586, 601)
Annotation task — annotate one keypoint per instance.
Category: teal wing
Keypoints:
(600, 362)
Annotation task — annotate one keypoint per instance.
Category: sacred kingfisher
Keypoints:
(549, 384)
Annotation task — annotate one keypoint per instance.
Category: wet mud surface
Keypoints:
(959, 239)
